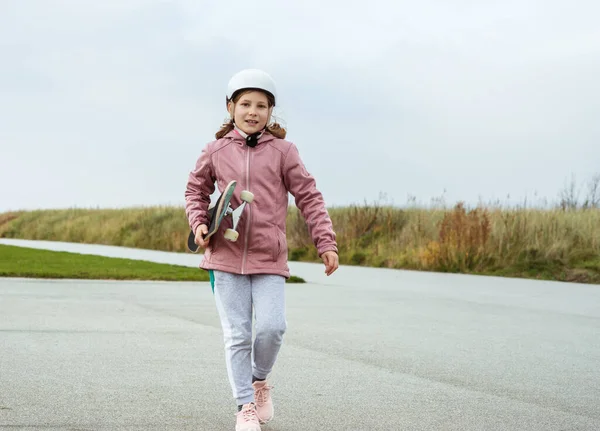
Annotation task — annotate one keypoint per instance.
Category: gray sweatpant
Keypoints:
(235, 295)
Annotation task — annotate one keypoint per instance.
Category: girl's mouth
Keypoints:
(252, 122)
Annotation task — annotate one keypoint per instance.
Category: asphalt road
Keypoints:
(366, 349)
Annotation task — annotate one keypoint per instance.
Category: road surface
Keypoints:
(366, 349)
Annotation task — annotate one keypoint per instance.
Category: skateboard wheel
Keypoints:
(247, 196)
(231, 235)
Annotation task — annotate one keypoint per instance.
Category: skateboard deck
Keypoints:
(219, 211)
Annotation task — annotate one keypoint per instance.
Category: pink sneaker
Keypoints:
(247, 419)
(264, 403)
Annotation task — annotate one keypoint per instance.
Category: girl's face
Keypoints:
(251, 111)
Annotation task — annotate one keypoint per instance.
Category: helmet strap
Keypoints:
(251, 140)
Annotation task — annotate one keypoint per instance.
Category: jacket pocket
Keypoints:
(280, 245)
(274, 243)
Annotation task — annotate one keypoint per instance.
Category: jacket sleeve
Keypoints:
(200, 186)
(309, 201)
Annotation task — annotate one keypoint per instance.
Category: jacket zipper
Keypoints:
(248, 209)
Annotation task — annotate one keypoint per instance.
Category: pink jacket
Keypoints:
(269, 170)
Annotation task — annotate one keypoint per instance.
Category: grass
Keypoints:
(560, 243)
(550, 244)
(28, 262)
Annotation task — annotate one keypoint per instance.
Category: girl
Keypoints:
(251, 272)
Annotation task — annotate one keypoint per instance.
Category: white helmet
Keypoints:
(251, 78)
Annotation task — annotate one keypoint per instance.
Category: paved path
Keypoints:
(366, 349)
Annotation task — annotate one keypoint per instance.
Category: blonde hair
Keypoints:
(274, 129)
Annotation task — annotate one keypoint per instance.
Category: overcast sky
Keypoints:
(109, 103)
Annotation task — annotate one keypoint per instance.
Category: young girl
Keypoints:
(251, 272)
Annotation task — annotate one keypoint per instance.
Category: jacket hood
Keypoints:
(235, 136)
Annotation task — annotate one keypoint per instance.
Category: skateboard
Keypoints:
(221, 209)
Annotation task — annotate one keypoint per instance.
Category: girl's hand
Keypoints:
(200, 232)
(331, 261)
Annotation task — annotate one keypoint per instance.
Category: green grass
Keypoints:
(582, 272)
(29, 262)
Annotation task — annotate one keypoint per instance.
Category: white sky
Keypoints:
(109, 103)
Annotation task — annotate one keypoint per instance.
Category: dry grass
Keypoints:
(554, 244)
(158, 228)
